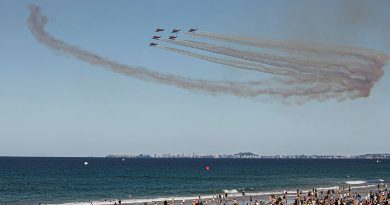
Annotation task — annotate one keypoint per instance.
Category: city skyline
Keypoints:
(250, 155)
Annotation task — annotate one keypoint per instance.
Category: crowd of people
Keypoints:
(340, 196)
(380, 195)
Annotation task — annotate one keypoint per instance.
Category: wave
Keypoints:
(328, 188)
(232, 191)
(362, 187)
(356, 182)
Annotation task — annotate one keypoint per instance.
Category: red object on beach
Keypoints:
(207, 168)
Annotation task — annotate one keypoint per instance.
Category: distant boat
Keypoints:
(377, 161)
(85, 163)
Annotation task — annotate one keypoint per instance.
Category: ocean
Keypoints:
(33, 180)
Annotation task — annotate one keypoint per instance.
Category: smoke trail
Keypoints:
(261, 68)
(272, 67)
(237, 64)
(280, 61)
(293, 47)
(346, 73)
(302, 89)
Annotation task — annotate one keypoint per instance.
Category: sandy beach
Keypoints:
(354, 193)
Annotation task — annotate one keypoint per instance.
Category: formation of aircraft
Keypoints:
(154, 44)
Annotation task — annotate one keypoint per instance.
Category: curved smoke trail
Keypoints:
(302, 89)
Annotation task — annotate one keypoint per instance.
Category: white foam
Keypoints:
(232, 191)
(362, 187)
(356, 182)
(328, 188)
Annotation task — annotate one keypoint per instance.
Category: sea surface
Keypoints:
(30, 180)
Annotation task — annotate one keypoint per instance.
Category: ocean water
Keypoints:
(63, 180)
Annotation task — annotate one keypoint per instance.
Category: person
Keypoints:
(119, 202)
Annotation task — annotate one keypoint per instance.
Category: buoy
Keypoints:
(207, 168)
(85, 163)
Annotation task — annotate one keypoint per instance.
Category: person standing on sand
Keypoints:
(235, 201)
(243, 197)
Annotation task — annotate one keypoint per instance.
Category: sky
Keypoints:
(54, 105)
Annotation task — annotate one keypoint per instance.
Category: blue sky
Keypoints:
(55, 105)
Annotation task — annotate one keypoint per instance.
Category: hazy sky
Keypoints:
(55, 105)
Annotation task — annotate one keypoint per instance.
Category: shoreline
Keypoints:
(212, 199)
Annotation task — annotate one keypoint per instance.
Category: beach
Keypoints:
(358, 194)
